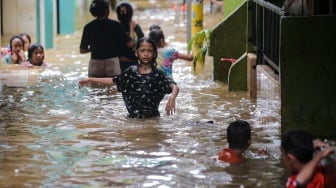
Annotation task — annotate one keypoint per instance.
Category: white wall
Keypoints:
(18, 16)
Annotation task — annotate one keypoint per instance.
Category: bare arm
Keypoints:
(86, 81)
(308, 170)
(187, 57)
(170, 106)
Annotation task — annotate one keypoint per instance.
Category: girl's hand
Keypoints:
(18, 57)
(15, 58)
(170, 106)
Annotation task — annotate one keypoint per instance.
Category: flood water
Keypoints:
(53, 134)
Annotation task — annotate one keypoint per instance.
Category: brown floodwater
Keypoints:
(53, 134)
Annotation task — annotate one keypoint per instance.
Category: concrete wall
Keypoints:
(229, 39)
(18, 16)
(308, 67)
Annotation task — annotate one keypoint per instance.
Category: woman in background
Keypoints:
(133, 30)
(103, 38)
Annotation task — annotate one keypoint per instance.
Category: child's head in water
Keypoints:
(146, 51)
(27, 41)
(16, 44)
(239, 135)
(296, 147)
(36, 54)
(239, 139)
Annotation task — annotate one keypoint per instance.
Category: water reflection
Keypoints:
(53, 134)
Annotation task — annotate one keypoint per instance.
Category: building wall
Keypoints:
(308, 67)
(18, 16)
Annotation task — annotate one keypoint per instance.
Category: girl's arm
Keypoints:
(170, 106)
(187, 57)
(86, 81)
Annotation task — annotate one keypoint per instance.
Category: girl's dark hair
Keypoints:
(124, 12)
(150, 41)
(154, 26)
(99, 8)
(15, 37)
(26, 35)
(156, 35)
(298, 143)
(31, 50)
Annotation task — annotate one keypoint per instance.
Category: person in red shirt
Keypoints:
(239, 139)
(297, 150)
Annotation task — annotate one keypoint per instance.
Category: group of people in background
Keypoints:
(121, 54)
(21, 51)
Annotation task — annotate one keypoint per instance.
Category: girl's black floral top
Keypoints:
(142, 93)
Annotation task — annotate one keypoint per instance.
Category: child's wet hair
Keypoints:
(32, 48)
(150, 41)
(154, 26)
(156, 35)
(15, 37)
(99, 8)
(298, 143)
(238, 134)
(124, 12)
(26, 35)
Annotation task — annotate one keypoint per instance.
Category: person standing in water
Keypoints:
(143, 86)
(166, 54)
(102, 37)
(124, 12)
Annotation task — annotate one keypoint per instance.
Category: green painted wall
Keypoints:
(231, 5)
(66, 16)
(308, 74)
(228, 39)
(38, 23)
(49, 23)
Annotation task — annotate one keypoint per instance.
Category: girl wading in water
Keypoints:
(143, 86)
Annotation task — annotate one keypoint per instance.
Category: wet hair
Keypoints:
(31, 50)
(298, 143)
(238, 134)
(154, 26)
(26, 35)
(150, 41)
(124, 12)
(99, 8)
(15, 37)
(157, 36)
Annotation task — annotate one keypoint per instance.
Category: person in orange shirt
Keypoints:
(297, 152)
(239, 139)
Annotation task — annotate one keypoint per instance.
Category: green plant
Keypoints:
(199, 43)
